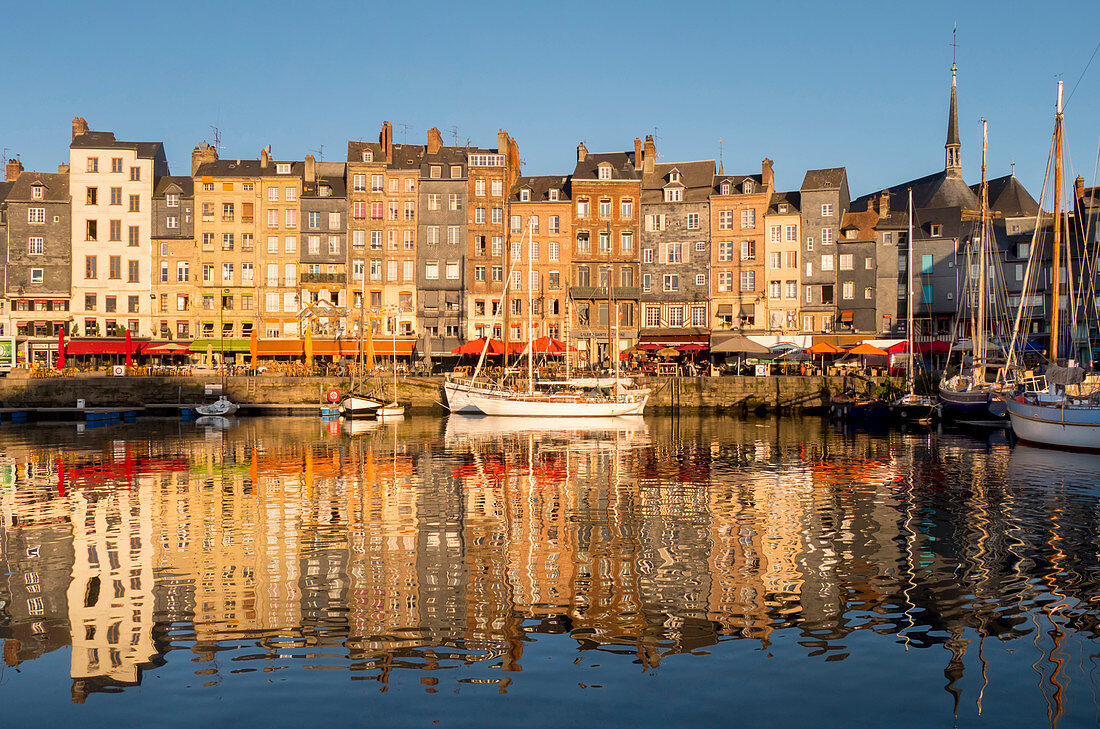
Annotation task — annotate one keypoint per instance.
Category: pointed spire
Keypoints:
(953, 156)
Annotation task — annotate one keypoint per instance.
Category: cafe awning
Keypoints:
(674, 338)
(202, 346)
(279, 348)
(166, 348)
(847, 316)
(725, 310)
(103, 346)
(736, 344)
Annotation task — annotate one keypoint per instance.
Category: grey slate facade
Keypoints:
(825, 199)
(441, 247)
(323, 248)
(38, 274)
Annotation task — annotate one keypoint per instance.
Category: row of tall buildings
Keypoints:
(419, 241)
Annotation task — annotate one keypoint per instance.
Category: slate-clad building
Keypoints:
(174, 255)
(675, 250)
(323, 248)
(825, 199)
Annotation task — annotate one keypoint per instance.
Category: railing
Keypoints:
(324, 277)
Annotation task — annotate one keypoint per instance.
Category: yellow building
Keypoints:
(781, 260)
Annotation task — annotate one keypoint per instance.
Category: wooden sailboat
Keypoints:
(911, 406)
(392, 409)
(1055, 417)
(356, 404)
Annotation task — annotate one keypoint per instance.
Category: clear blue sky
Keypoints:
(808, 84)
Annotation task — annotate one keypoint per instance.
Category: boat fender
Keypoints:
(1020, 399)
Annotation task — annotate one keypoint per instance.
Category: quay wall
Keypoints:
(419, 393)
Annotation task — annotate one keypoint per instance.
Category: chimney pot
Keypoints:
(14, 168)
(582, 152)
(435, 140)
(80, 126)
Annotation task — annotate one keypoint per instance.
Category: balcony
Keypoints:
(600, 292)
(324, 278)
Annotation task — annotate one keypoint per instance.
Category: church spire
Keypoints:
(953, 157)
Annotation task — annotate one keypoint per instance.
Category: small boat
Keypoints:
(223, 406)
(359, 406)
(913, 408)
(393, 410)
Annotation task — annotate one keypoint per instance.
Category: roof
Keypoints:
(829, 178)
(106, 140)
(246, 168)
(793, 199)
(540, 186)
(337, 184)
(862, 221)
(56, 186)
(356, 149)
(1008, 197)
(938, 190)
(697, 179)
(185, 184)
(737, 183)
(5, 188)
(622, 166)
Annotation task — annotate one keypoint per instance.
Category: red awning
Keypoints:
(102, 346)
(475, 346)
(166, 348)
(672, 340)
(692, 347)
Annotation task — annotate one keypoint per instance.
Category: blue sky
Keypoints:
(808, 84)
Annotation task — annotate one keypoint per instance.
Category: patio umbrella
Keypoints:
(668, 352)
(474, 346)
(549, 345)
(824, 348)
(740, 345)
(254, 347)
(129, 348)
(868, 350)
(368, 349)
(60, 349)
(649, 346)
(691, 347)
(307, 346)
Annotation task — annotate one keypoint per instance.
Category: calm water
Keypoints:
(691, 572)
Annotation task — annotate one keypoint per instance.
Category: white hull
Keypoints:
(1069, 426)
(557, 406)
(393, 410)
(481, 426)
(456, 397)
(353, 406)
(220, 407)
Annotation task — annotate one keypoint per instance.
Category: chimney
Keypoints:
(310, 169)
(767, 175)
(15, 167)
(582, 152)
(637, 152)
(265, 157)
(1078, 189)
(435, 140)
(201, 154)
(80, 126)
(63, 168)
(884, 203)
(649, 154)
(385, 140)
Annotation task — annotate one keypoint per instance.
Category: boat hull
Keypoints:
(354, 406)
(221, 407)
(971, 405)
(1076, 427)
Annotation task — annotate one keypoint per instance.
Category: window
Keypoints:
(790, 290)
(674, 252)
(498, 273)
(290, 244)
(605, 242)
(452, 270)
(282, 168)
(246, 273)
(92, 196)
(116, 197)
(554, 250)
(748, 280)
(38, 215)
(604, 172)
(553, 280)
(937, 230)
(605, 209)
(725, 281)
(135, 203)
(775, 259)
(133, 239)
(498, 216)
(748, 219)
(868, 293)
(672, 282)
(773, 289)
(626, 243)
(748, 250)
(334, 245)
(926, 263)
(172, 222)
(114, 230)
(826, 236)
(827, 210)
(37, 275)
(792, 259)
(584, 243)
(700, 279)
(432, 234)
(674, 194)
(376, 240)
(359, 183)
(655, 222)
(846, 262)
(164, 271)
(926, 294)
(725, 251)
(626, 208)
(431, 270)
(454, 201)
(552, 195)
(132, 271)
(433, 201)
(227, 273)
(868, 263)
(827, 263)
(183, 271)
(36, 245)
(114, 267)
(725, 220)
(498, 185)
(582, 208)
(375, 269)
(93, 165)
(848, 290)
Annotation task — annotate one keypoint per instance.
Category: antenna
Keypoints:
(720, 150)
(954, 45)
(453, 131)
(655, 138)
(404, 131)
(320, 152)
(217, 137)
(4, 156)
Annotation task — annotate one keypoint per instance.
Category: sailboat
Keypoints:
(356, 404)
(223, 406)
(618, 399)
(1054, 416)
(392, 409)
(970, 397)
(911, 406)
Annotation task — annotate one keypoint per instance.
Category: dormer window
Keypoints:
(674, 194)
(673, 176)
(850, 233)
(604, 172)
(937, 230)
(725, 188)
(324, 191)
(435, 172)
(748, 187)
(282, 168)
(172, 200)
(553, 195)
(37, 192)
(368, 156)
(525, 195)
(783, 208)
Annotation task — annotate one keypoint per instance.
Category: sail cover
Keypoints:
(1065, 375)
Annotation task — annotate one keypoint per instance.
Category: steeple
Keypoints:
(953, 158)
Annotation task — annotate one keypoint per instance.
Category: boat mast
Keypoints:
(1056, 252)
(979, 334)
(612, 308)
(568, 361)
(909, 297)
(530, 341)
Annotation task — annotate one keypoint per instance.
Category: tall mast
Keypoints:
(612, 307)
(979, 334)
(568, 360)
(1056, 253)
(530, 341)
(909, 296)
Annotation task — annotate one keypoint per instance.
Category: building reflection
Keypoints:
(428, 546)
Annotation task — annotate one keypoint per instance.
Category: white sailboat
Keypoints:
(1055, 417)
(911, 406)
(618, 399)
(357, 404)
(393, 409)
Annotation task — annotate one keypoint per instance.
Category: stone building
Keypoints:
(675, 251)
(174, 256)
(825, 199)
(492, 231)
(782, 221)
(606, 191)
(110, 188)
(543, 203)
(39, 258)
(738, 204)
(857, 273)
(323, 246)
(5, 188)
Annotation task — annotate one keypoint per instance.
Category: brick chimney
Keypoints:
(582, 152)
(649, 155)
(637, 152)
(202, 153)
(15, 167)
(767, 175)
(884, 203)
(63, 168)
(435, 140)
(1078, 189)
(385, 140)
(310, 174)
(80, 126)
(265, 157)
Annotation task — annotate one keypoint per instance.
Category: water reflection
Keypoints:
(281, 545)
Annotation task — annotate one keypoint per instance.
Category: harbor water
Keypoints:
(480, 572)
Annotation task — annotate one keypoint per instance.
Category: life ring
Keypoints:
(333, 396)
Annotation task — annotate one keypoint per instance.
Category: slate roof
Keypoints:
(540, 186)
(247, 168)
(829, 178)
(697, 179)
(737, 183)
(106, 140)
(793, 199)
(338, 185)
(1008, 197)
(356, 149)
(185, 184)
(56, 186)
(938, 190)
(862, 221)
(622, 166)
(5, 188)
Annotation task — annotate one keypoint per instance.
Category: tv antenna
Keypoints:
(655, 138)
(453, 131)
(217, 137)
(320, 152)
(404, 131)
